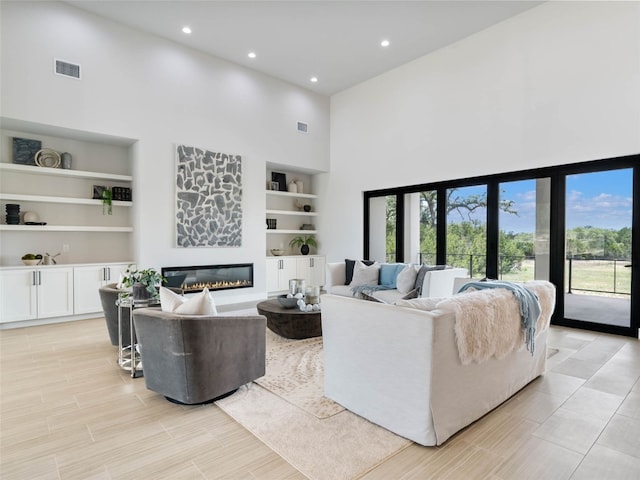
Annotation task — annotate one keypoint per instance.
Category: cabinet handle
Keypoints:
(39, 277)
(34, 279)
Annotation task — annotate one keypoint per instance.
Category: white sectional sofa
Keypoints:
(437, 283)
(400, 366)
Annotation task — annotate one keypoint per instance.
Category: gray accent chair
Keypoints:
(194, 359)
(108, 296)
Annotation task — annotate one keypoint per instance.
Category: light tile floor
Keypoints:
(68, 412)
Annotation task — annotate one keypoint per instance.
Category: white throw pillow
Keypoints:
(198, 304)
(365, 274)
(426, 303)
(407, 278)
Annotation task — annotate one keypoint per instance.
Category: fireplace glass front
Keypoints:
(213, 277)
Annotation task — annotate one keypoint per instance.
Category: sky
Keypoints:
(599, 199)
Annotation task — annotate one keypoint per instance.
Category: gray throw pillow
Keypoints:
(421, 273)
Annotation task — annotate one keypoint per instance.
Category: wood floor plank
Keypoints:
(68, 412)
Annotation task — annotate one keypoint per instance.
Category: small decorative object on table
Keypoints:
(288, 302)
(277, 252)
(297, 287)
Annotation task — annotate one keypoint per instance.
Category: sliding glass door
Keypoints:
(524, 230)
(382, 228)
(598, 247)
(574, 225)
(467, 229)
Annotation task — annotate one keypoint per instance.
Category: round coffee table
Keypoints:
(290, 322)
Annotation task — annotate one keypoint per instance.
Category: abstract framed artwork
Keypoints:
(208, 198)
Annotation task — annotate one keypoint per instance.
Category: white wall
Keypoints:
(557, 84)
(139, 86)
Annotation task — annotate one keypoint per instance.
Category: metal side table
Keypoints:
(129, 357)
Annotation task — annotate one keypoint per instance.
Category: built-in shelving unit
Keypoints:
(64, 198)
(288, 217)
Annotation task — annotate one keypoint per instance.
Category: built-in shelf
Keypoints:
(19, 197)
(59, 172)
(278, 193)
(289, 232)
(64, 228)
(292, 212)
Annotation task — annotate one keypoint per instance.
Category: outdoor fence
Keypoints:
(585, 275)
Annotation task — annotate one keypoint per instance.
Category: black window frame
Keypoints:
(557, 175)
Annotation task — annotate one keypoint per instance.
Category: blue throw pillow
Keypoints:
(389, 274)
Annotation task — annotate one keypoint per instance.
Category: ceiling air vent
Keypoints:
(303, 127)
(67, 69)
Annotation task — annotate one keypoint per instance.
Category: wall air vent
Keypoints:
(66, 68)
(303, 127)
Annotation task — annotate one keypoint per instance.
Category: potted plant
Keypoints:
(106, 201)
(304, 242)
(142, 283)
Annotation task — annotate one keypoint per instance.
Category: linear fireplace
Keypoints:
(212, 277)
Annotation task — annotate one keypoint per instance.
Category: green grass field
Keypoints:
(595, 275)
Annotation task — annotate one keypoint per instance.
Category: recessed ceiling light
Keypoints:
(186, 30)
(384, 43)
(252, 55)
(313, 79)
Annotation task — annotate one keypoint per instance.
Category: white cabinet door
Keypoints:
(317, 271)
(18, 294)
(311, 268)
(55, 292)
(303, 269)
(86, 282)
(279, 272)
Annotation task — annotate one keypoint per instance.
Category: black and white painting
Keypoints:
(208, 198)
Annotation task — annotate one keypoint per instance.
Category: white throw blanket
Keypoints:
(488, 322)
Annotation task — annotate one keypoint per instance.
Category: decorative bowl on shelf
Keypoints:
(277, 251)
(31, 262)
(287, 302)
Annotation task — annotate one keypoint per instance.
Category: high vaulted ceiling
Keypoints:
(338, 42)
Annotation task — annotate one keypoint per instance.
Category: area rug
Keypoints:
(295, 373)
(292, 417)
(341, 447)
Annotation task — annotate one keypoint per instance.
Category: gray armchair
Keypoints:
(108, 297)
(196, 359)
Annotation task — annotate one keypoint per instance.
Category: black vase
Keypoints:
(304, 249)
